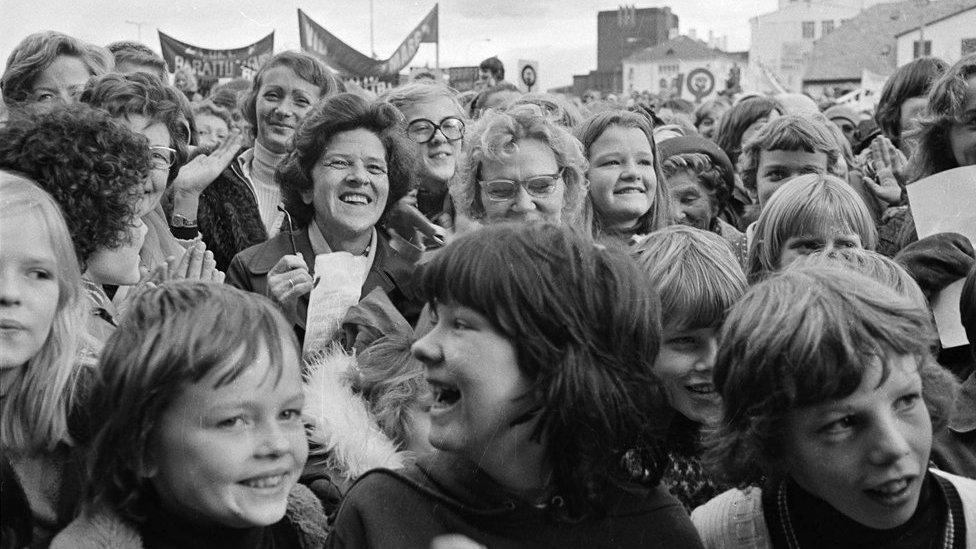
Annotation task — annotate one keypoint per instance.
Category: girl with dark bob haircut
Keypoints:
(831, 399)
(88, 161)
(544, 405)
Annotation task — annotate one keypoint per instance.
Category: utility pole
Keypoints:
(138, 25)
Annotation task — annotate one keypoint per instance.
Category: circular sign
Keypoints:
(700, 82)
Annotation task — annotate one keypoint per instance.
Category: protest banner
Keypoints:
(231, 63)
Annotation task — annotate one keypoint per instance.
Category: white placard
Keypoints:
(338, 283)
(946, 203)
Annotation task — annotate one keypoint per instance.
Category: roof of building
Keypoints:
(934, 20)
(868, 40)
(684, 48)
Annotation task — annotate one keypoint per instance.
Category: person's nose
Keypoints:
(10, 290)
(706, 359)
(523, 200)
(273, 440)
(677, 212)
(358, 175)
(427, 349)
(888, 441)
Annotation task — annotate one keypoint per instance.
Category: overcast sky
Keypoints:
(560, 34)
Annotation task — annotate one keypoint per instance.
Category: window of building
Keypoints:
(809, 29)
(921, 48)
(968, 46)
(826, 27)
(664, 70)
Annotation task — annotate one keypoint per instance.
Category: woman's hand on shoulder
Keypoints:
(289, 280)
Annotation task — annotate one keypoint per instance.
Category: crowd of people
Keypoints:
(637, 323)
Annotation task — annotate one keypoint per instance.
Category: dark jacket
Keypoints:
(390, 271)
(228, 216)
(443, 494)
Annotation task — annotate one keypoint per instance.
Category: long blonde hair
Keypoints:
(34, 412)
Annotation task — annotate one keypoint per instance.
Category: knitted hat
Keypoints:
(698, 144)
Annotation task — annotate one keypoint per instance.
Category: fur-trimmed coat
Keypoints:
(103, 528)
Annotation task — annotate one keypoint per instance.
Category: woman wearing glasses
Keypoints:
(154, 110)
(346, 169)
(520, 166)
(435, 122)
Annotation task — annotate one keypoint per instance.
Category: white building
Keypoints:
(682, 67)
(782, 39)
(948, 37)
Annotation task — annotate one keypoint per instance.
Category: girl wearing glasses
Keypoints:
(347, 168)
(626, 183)
(539, 365)
(520, 166)
(436, 124)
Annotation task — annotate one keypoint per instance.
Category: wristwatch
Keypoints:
(177, 221)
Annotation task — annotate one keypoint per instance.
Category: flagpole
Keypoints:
(372, 46)
(437, 42)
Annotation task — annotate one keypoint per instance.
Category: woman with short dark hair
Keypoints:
(349, 165)
(545, 411)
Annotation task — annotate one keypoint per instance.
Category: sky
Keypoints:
(559, 34)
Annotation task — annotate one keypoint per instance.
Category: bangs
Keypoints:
(232, 355)
(480, 280)
(698, 298)
(822, 211)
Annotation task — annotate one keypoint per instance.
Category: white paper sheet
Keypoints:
(338, 282)
(946, 203)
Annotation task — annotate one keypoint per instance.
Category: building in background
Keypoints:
(621, 33)
(683, 67)
(782, 40)
(860, 54)
(947, 36)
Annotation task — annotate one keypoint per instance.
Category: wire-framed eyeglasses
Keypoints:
(161, 157)
(422, 130)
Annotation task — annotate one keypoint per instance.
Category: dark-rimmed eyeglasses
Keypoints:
(161, 157)
(538, 186)
(422, 130)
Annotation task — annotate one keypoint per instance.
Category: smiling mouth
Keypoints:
(630, 189)
(267, 482)
(443, 395)
(355, 199)
(704, 389)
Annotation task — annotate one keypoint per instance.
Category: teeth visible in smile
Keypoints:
(354, 198)
(629, 190)
(265, 482)
(701, 388)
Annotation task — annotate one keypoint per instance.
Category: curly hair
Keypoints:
(173, 335)
(559, 110)
(811, 204)
(911, 80)
(586, 332)
(330, 117)
(89, 162)
(710, 176)
(659, 214)
(37, 51)
(947, 100)
(493, 138)
(801, 338)
(305, 66)
(737, 120)
(142, 94)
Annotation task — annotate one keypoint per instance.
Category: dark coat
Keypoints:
(228, 216)
(443, 494)
(390, 271)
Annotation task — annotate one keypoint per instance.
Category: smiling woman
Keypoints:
(348, 167)
(240, 207)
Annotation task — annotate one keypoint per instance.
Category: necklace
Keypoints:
(783, 512)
